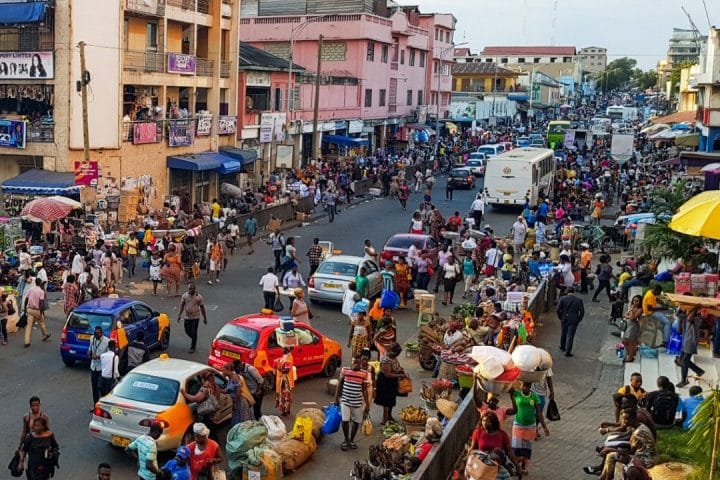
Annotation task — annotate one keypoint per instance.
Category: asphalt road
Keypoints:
(65, 391)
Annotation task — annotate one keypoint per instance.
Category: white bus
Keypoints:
(519, 175)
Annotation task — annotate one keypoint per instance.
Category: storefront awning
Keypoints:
(345, 141)
(42, 182)
(244, 156)
(229, 165)
(196, 162)
(26, 12)
(416, 126)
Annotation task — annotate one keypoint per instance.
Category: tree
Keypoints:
(645, 80)
(705, 430)
(617, 73)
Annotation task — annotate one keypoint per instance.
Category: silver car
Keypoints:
(332, 277)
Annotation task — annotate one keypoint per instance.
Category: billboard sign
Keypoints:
(26, 65)
(181, 63)
(12, 133)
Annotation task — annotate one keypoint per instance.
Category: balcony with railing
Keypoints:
(348, 26)
(40, 132)
(144, 61)
(143, 132)
(204, 67)
(225, 69)
(146, 7)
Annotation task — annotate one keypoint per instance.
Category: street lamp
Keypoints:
(293, 33)
(443, 52)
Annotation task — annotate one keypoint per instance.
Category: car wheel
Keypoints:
(165, 339)
(68, 361)
(331, 367)
(269, 383)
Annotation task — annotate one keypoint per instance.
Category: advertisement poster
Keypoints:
(26, 65)
(463, 110)
(181, 133)
(87, 173)
(204, 125)
(266, 127)
(12, 133)
(227, 125)
(181, 63)
(144, 133)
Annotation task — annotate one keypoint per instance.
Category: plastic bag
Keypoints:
(553, 413)
(332, 419)
(367, 426)
(389, 299)
(275, 427)
(278, 306)
(241, 438)
(302, 429)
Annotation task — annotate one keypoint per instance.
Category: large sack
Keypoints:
(241, 438)
(317, 416)
(275, 427)
(481, 352)
(526, 357)
(294, 453)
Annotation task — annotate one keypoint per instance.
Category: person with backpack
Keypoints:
(277, 240)
(663, 403)
(604, 274)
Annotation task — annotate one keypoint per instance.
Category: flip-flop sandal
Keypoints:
(353, 446)
(344, 446)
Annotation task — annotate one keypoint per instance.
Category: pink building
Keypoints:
(377, 72)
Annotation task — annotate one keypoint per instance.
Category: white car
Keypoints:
(476, 166)
(332, 277)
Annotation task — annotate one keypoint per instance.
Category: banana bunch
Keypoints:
(413, 415)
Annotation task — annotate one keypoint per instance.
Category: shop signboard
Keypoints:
(227, 125)
(12, 133)
(26, 65)
(355, 126)
(87, 174)
(204, 125)
(266, 127)
(463, 110)
(272, 127)
(144, 133)
(257, 79)
(181, 63)
(181, 133)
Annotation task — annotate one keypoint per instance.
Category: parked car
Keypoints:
(477, 167)
(399, 244)
(522, 142)
(151, 393)
(333, 275)
(253, 339)
(120, 319)
(491, 150)
(461, 178)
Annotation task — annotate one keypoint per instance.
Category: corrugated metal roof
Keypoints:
(535, 50)
(481, 69)
(257, 58)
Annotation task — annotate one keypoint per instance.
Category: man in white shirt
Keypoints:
(443, 254)
(78, 265)
(492, 259)
(478, 209)
(24, 260)
(234, 230)
(109, 372)
(270, 287)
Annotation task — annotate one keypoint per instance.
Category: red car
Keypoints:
(252, 339)
(399, 244)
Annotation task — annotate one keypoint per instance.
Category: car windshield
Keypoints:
(459, 173)
(88, 321)
(404, 242)
(148, 389)
(238, 335)
(338, 268)
(487, 150)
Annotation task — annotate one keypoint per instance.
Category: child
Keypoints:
(155, 264)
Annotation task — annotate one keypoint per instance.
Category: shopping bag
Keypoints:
(278, 306)
(389, 299)
(553, 413)
(367, 426)
(16, 466)
(22, 321)
(302, 429)
(332, 419)
(405, 386)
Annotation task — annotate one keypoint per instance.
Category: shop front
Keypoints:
(200, 175)
(19, 190)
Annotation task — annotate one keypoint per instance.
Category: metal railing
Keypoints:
(225, 69)
(153, 7)
(204, 67)
(142, 61)
(203, 6)
(40, 133)
(128, 130)
(184, 4)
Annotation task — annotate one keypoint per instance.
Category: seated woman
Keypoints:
(642, 447)
(433, 433)
(488, 436)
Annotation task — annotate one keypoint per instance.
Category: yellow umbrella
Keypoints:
(699, 216)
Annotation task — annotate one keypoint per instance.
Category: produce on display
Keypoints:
(413, 415)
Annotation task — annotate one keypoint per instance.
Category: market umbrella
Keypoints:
(49, 209)
(699, 216)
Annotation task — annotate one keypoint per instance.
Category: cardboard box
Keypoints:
(274, 224)
(301, 217)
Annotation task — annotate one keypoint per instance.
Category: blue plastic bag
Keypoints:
(332, 420)
(389, 299)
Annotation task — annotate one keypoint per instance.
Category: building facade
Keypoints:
(707, 83)
(593, 59)
(684, 46)
(161, 88)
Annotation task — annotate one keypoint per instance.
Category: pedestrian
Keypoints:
(478, 209)
(204, 453)
(315, 255)
(277, 240)
(290, 257)
(570, 311)
(519, 231)
(451, 271)
(109, 368)
(178, 467)
(5, 308)
(216, 261)
(469, 273)
(255, 383)
(359, 335)
(423, 265)
(631, 335)
(388, 276)
(215, 211)
(585, 265)
(240, 394)
(155, 266)
(526, 405)
(449, 189)
(41, 450)
(362, 283)
(172, 270)
(99, 344)
(137, 351)
(387, 381)
(403, 194)
(545, 389)
(351, 395)
(443, 255)
(29, 418)
(292, 280)
(251, 227)
(270, 288)
(34, 308)
(689, 328)
(370, 252)
(234, 231)
(193, 305)
(330, 199)
(604, 273)
(104, 471)
(88, 289)
(403, 275)
(24, 260)
(299, 309)
(144, 450)
(132, 244)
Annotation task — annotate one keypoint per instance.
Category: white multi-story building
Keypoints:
(593, 59)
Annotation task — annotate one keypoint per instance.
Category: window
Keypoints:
(381, 97)
(433, 99)
(437, 31)
(202, 185)
(447, 36)
(371, 51)
(567, 59)
(143, 313)
(384, 54)
(368, 97)
(553, 59)
(411, 57)
(402, 57)
(521, 60)
(536, 60)
(257, 99)
(277, 100)
(420, 97)
(504, 60)
(151, 35)
(435, 67)
(422, 59)
(409, 98)
(488, 60)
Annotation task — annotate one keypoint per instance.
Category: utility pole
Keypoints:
(82, 86)
(316, 114)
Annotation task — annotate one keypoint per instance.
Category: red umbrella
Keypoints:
(48, 209)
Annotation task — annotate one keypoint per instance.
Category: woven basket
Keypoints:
(671, 471)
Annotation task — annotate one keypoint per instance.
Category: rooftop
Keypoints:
(533, 50)
(481, 69)
(461, 52)
(253, 58)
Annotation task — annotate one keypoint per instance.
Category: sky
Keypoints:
(627, 28)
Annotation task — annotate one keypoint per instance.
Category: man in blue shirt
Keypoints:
(542, 211)
(144, 449)
(251, 227)
(689, 406)
(178, 468)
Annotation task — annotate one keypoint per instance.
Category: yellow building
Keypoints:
(688, 93)
(479, 77)
(163, 85)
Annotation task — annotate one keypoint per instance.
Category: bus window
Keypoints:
(534, 174)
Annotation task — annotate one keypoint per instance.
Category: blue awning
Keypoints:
(27, 12)
(245, 156)
(518, 97)
(345, 141)
(42, 182)
(196, 162)
(230, 165)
